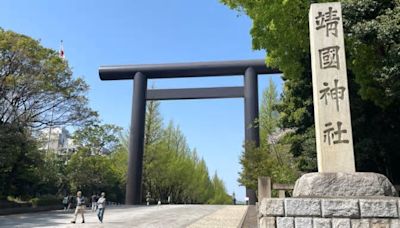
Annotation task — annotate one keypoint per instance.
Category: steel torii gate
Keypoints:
(140, 73)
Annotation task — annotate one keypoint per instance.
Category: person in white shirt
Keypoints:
(101, 205)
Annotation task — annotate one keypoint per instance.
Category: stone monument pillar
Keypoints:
(330, 90)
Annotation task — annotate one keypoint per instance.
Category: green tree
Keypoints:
(153, 123)
(97, 138)
(268, 115)
(19, 161)
(255, 162)
(152, 155)
(201, 183)
(119, 165)
(95, 166)
(52, 175)
(219, 195)
(372, 29)
(272, 158)
(93, 173)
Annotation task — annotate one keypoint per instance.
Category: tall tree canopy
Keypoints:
(36, 86)
(372, 39)
(36, 90)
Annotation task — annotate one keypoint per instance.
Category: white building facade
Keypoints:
(58, 140)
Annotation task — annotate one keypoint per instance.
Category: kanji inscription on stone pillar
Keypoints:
(330, 90)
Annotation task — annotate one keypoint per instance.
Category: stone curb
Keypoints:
(243, 217)
(22, 210)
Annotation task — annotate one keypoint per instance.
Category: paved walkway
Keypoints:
(229, 217)
(195, 216)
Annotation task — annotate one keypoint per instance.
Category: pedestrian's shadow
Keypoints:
(39, 219)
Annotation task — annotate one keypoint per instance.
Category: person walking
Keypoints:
(148, 197)
(101, 205)
(94, 201)
(80, 206)
(70, 199)
(65, 202)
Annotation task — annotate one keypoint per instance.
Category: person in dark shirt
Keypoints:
(70, 200)
(94, 202)
(65, 202)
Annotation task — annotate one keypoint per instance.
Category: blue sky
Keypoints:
(151, 31)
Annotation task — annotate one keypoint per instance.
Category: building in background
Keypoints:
(57, 140)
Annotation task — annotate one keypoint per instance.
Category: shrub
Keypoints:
(45, 200)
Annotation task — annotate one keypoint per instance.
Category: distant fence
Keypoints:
(265, 188)
(282, 189)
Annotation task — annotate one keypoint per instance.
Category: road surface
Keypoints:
(192, 216)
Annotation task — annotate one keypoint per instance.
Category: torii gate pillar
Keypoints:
(136, 141)
(251, 132)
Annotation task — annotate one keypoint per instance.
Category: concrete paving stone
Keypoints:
(165, 216)
(228, 216)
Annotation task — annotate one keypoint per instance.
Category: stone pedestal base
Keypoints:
(380, 212)
(343, 185)
(333, 200)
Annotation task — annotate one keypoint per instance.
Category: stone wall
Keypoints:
(382, 212)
